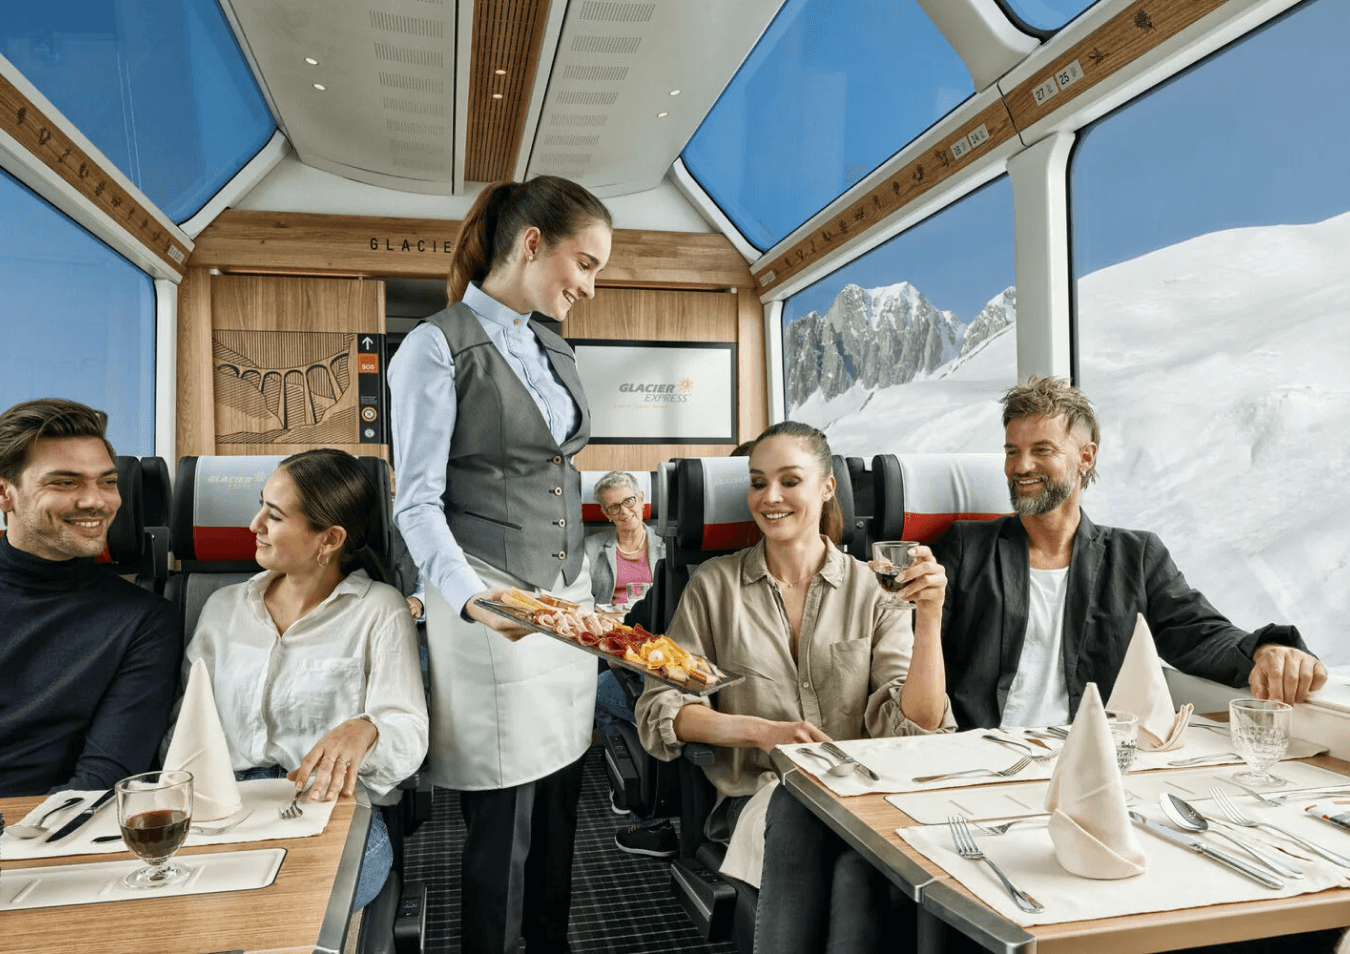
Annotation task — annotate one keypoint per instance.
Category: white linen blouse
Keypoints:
(355, 654)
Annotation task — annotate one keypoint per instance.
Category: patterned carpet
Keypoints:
(621, 903)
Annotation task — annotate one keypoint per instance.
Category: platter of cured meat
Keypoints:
(631, 647)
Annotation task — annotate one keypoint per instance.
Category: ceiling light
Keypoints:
(674, 92)
(320, 86)
(311, 61)
(500, 72)
(662, 115)
(496, 95)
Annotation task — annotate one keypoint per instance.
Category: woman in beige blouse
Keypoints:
(825, 657)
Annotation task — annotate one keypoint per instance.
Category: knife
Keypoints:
(1222, 857)
(843, 756)
(82, 817)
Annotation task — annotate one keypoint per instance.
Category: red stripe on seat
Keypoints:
(925, 526)
(730, 536)
(224, 543)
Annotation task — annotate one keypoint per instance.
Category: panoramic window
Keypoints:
(1213, 298)
(828, 94)
(1046, 14)
(160, 87)
(78, 320)
(907, 348)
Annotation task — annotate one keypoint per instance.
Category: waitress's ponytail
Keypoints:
(473, 252)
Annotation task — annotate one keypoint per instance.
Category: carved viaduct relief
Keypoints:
(284, 387)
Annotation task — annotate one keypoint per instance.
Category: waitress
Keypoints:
(487, 412)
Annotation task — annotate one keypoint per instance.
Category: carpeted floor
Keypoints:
(621, 903)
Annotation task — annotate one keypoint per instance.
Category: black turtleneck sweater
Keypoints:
(88, 671)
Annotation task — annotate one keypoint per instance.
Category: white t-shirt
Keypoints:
(1039, 694)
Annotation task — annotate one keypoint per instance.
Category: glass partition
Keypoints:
(829, 93)
(1211, 223)
(159, 86)
(77, 319)
(907, 348)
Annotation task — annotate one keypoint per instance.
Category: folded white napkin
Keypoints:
(1142, 689)
(199, 747)
(1089, 823)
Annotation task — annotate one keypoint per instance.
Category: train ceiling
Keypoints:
(428, 95)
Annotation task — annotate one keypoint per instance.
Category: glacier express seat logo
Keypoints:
(657, 392)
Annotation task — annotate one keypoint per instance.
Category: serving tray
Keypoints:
(692, 686)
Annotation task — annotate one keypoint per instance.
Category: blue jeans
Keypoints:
(816, 893)
(611, 704)
(379, 856)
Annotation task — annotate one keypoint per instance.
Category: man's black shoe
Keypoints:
(656, 841)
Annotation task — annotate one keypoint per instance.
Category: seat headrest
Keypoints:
(126, 533)
(918, 496)
(664, 512)
(590, 510)
(708, 494)
(157, 492)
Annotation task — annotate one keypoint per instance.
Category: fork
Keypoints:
(1281, 799)
(966, 848)
(293, 810)
(1234, 815)
(219, 829)
(1021, 747)
(1002, 827)
(1011, 770)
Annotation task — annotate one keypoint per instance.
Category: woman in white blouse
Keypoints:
(314, 661)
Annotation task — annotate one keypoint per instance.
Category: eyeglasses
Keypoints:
(626, 503)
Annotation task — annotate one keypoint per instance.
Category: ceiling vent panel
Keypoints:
(556, 139)
(576, 97)
(408, 26)
(575, 119)
(408, 128)
(622, 45)
(416, 84)
(431, 59)
(415, 106)
(507, 35)
(617, 12)
(600, 74)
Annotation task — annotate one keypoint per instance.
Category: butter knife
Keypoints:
(82, 817)
(1222, 857)
(843, 756)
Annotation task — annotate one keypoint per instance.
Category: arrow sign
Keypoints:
(367, 342)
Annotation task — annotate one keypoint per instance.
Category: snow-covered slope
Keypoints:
(1220, 368)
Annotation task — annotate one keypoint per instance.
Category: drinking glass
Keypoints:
(1260, 731)
(154, 810)
(893, 556)
(1125, 734)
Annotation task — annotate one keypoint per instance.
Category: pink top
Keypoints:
(629, 573)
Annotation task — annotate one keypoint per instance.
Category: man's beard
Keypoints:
(1053, 493)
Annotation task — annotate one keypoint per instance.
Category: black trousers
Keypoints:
(516, 870)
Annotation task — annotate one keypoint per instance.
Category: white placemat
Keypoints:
(101, 881)
(264, 797)
(1176, 877)
(1023, 799)
(899, 760)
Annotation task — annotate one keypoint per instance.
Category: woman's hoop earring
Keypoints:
(324, 558)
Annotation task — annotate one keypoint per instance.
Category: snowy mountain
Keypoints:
(1218, 368)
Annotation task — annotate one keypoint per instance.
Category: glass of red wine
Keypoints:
(889, 558)
(154, 810)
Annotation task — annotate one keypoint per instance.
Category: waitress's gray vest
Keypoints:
(512, 497)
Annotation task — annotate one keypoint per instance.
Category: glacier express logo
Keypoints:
(660, 392)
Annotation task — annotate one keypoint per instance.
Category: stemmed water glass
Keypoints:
(890, 557)
(154, 810)
(1125, 734)
(1260, 732)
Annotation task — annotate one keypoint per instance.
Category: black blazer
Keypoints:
(1114, 574)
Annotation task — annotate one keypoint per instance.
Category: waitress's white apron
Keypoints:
(505, 713)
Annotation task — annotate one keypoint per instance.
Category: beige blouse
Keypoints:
(853, 658)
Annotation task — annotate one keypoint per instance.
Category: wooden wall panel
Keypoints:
(196, 427)
(507, 36)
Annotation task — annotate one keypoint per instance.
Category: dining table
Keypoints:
(306, 908)
(869, 823)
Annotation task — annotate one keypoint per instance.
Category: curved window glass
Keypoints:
(160, 87)
(1046, 15)
(77, 319)
(907, 348)
(1213, 298)
(828, 94)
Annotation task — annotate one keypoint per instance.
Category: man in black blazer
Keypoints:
(1041, 603)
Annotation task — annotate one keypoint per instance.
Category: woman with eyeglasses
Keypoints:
(622, 559)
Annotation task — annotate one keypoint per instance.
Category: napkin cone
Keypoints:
(1089, 824)
(1142, 689)
(199, 747)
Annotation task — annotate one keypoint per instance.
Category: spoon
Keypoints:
(36, 831)
(1184, 815)
(835, 768)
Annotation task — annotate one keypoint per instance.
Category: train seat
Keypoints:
(918, 496)
(214, 500)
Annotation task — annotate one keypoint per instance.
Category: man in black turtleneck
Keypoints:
(88, 661)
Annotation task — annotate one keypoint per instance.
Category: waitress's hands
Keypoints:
(335, 760)
(925, 580)
(508, 628)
